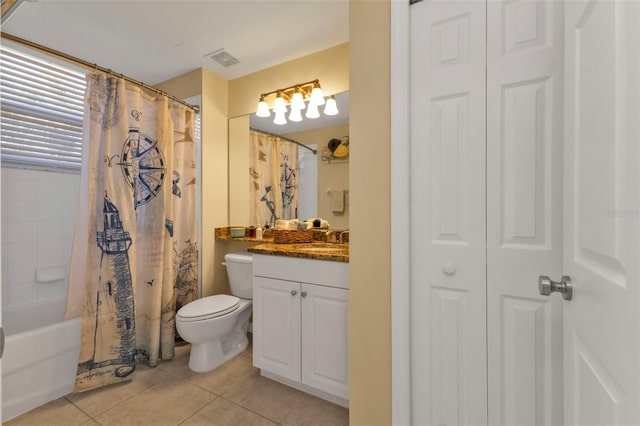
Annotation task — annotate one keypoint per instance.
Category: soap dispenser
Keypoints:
(259, 232)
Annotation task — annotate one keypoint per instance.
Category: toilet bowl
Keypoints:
(216, 326)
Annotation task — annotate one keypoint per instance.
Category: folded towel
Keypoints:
(337, 201)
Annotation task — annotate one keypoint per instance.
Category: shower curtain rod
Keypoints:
(89, 65)
(315, 151)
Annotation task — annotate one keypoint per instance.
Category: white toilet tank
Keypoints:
(240, 273)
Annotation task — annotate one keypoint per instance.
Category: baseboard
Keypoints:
(307, 389)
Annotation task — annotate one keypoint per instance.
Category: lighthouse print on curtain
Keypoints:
(134, 259)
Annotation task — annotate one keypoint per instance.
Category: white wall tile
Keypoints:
(21, 252)
(23, 272)
(52, 289)
(21, 232)
(22, 293)
(50, 210)
(21, 211)
(21, 190)
(38, 213)
(49, 253)
(50, 231)
(48, 189)
(5, 254)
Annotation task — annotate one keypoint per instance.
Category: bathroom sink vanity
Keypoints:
(300, 323)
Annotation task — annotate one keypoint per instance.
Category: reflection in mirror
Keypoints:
(322, 179)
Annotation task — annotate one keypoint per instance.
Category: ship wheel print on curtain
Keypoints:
(143, 166)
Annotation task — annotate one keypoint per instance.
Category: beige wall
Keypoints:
(239, 171)
(214, 172)
(370, 239)
(331, 66)
(331, 175)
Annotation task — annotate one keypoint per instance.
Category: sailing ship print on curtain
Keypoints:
(273, 179)
(134, 258)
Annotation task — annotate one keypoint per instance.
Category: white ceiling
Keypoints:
(155, 40)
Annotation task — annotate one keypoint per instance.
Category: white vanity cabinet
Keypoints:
(300, 324)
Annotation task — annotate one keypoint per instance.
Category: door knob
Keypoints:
(294, 292)
(546, 286)
(303, 294)
(449, 267)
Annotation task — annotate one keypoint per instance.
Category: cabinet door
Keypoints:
(276, 331)
(325, 339)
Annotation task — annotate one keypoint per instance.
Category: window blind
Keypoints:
(41, 106)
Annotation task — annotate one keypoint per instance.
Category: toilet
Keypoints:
(216, 326)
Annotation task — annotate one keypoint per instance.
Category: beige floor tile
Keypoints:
(263, 396)
(166, 404)
(224, 413)
(59, 412)
(96, 401)
(312, 411)
(171, 394)
(216, 381)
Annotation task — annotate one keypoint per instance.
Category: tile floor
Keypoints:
(171, 394)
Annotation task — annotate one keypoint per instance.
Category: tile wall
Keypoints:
(38, 211)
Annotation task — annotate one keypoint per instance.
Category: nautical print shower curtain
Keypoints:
(273, 179)
(289, 179)
(134, 259)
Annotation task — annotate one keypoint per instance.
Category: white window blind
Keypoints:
(41, 106)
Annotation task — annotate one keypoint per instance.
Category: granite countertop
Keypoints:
(321, 251)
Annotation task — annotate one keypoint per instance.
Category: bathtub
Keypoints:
(41, 355)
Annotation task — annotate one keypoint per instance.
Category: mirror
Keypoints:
(321, 177)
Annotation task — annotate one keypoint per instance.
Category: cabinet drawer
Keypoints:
(313, 271)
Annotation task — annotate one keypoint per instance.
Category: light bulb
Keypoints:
(312, 111)
(297, 102)
(295, 114)
(331, 107)
(263, 108)
(279, 105)
(317, 97)
(280, 118)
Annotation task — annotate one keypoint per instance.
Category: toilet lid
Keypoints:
(208, 307)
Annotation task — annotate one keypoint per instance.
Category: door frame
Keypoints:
(400, 196)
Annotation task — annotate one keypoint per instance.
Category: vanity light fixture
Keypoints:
(280, 118)
(263, 108)
(279, 105)
(296, 96)
(331, 107)
(295, 114)
(312, 111)
(297, 100)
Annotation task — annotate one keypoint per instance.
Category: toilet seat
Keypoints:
(208, 307)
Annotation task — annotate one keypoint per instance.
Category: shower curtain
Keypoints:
(273, 176)
(134, 259)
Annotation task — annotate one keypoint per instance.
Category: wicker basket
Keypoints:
(292, 236)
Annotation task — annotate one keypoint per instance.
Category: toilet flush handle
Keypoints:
(223, 263)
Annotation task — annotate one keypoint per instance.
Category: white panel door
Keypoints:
(276, 321)
(325, 339)
(524, 210)
(602, 212)
(448, 307)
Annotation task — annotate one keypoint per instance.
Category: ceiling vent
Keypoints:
(222, 57)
